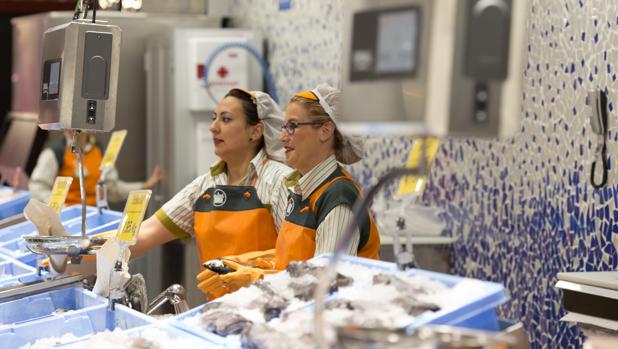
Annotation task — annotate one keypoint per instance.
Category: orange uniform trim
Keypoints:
(308, 95)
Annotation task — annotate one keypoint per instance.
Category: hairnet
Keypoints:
(330, 100)
(271, 117)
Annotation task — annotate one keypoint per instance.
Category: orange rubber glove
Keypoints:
(210, 284)
(214, 285)
(254, 258)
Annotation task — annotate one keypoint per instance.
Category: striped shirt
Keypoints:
(177, 214)
(333, 226)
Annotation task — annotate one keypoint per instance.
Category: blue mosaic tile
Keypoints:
(522, 209)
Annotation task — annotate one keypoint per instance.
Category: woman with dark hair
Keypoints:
(239, 205)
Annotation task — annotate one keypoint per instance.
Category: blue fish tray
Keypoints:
(14, 205)
(83, 313)
(12, 271)
(174, 333)
(477, 312)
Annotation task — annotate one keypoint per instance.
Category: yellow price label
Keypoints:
(59, 193)
(416, 184)
(113, 148)
(133, 215)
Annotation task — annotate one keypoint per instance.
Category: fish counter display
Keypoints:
(278, 311)
(365, 293)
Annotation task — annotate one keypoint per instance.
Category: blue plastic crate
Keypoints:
(17, 249)
(15, 205)
(27, 228)
(174, 333)
(478, 312)
(95, 223)
(45, 304)
(178, 321)
(24, 279)
(12, 270)
(30, 319)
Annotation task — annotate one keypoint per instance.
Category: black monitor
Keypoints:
(385, 43)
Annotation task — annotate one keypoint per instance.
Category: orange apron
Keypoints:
(231, 220)
(92, 161)
(296, 240)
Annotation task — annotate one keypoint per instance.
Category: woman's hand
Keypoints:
(214, 285)
(154, 178)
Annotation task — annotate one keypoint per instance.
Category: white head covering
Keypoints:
(330, 100)
(271, 116)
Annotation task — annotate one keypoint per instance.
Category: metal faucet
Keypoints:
(360, 207)
(404, 254)
(116, 295)
(101, 191)
(175, 294)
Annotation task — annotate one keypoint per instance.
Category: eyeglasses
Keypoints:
(291, 126)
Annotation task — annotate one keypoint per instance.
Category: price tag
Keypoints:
(416, 184)
(59, 193)
(113, 148)
(133, 216)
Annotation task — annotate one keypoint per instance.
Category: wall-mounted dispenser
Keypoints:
(435, 64)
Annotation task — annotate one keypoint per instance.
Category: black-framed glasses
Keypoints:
(291, 126)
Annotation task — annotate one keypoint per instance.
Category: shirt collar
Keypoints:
(255, 167)
(306, 184)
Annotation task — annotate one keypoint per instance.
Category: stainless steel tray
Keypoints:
(63, 245)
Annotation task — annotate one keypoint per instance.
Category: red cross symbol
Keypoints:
(222, 72)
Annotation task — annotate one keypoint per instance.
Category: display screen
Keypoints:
(396, 46)
(385, 43)
(50, 85)
(54, 77)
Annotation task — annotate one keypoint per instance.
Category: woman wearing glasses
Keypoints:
(321, 192)
(239, 205)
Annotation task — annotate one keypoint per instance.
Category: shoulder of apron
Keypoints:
(340, 190)
(336, 192)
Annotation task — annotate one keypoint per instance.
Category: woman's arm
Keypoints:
(43, 176)
(119, 190)
(152, 233)
(173, 220)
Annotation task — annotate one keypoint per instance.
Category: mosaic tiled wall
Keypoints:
(522, 209)
(304, 43)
